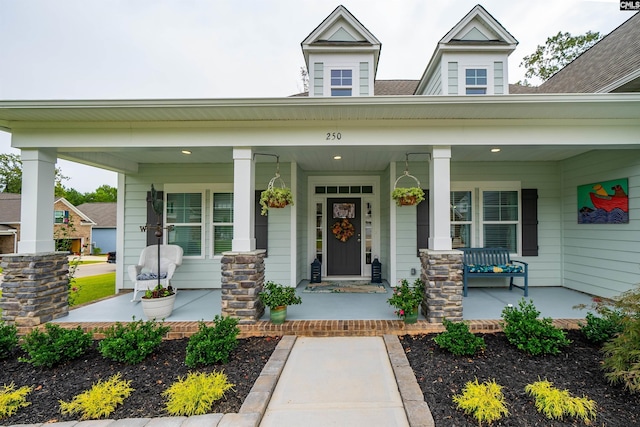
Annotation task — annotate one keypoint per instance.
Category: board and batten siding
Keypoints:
(544, 269)
(197, 272)
(601, 259)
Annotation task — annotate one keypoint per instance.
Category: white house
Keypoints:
(502, 168)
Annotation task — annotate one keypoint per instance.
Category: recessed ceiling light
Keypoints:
(186, 152)
(495, 150)
(337, 157)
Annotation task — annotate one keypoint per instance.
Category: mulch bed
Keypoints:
(577, 369)
(149, 379)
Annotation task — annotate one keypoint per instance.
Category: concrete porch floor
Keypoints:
(480, 304)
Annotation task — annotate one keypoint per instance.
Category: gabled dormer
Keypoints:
(471, 59)
(341, 56)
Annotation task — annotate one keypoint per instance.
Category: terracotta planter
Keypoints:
(407, 201)
(278, 314)
(158, 308)
(276, 204)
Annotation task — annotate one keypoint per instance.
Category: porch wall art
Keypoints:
(604, 202)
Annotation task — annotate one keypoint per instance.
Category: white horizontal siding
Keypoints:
(601, 259)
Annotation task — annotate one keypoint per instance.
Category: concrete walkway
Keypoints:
(336, 381)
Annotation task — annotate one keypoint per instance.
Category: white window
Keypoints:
(341, 82)
(222, 222)
(476, 81)
(500, 219)
(461, 219)
(486, 214)
(184, 211)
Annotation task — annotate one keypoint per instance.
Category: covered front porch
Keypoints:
(481, 304)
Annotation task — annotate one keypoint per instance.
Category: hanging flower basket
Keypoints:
(275, 197)
(407, 196)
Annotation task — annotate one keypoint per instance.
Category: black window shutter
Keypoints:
(423, 222)
(152, 219)
(261, 225)
(529, 222)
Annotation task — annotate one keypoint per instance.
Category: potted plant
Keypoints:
(275, 197)
(407, 299)
(277, 297)
(157, 303)
(407, 196)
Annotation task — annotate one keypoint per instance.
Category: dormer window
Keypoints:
(341, 82)
(476, 81)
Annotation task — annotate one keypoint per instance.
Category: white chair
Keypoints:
(145, 275)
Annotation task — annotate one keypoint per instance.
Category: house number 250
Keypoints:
(332, 136)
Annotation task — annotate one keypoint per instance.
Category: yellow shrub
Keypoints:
(485, 402)
(195, 394)
(11, 399)
(100, 400)
(556, 403)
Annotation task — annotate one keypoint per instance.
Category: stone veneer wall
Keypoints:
(35, 288)
(242, 281)
(442, 274)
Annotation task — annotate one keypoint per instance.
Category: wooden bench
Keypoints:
(493, 262)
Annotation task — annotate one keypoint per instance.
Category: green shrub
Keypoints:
(622, 352)
(212, 344)
(555, 403)
(8, 339)
(458, 340)
(55, 345)
(485, 402)
(100, 400)
(11, 399)
(133, 342)
(599, 329)
(530, 334)
(195, 394)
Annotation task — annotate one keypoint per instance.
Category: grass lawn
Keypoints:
(94, 287)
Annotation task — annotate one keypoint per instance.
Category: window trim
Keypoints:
(216, 188)
(476, 86)
(518, 223)
(188, 188)
(342, 86)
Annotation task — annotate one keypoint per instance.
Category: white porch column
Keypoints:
(36, 218)
(244, 239)
(439, 198)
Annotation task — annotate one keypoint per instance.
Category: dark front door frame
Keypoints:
(344, 256)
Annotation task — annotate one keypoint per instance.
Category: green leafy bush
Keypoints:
(530, 334)
(133, 342)
(8, 339)
(195, 394)
(213, 344)
(100, 400)
(55, 345)
(458, 340)
(12, 399)
(555, 403)
(600, 329)
(485, 402)
(622, 353)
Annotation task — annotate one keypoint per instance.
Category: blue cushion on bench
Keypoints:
(151, 276)
(503, 268)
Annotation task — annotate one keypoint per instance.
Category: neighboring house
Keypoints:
(69, 223)
(103, 232)
(500, 169)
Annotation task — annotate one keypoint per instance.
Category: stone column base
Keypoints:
(35, 288)
(242, 281)
(442, 275)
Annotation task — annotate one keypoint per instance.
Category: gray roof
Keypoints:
(10, 208)
(395, 87)
(102, 213)
(600, 68)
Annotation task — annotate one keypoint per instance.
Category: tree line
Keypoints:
(11, 182)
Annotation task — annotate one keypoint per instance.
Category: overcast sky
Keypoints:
(125, 49)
